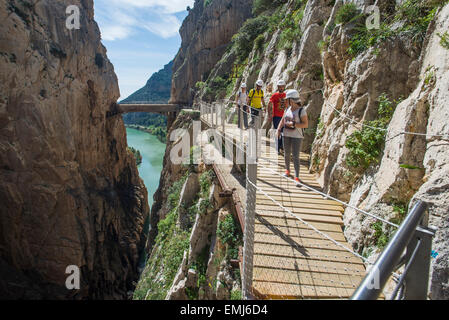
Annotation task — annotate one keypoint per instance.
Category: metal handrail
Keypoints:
(372, 285)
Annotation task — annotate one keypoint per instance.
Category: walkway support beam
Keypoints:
(152, 108)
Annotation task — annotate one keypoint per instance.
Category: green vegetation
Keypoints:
(261, 6)
(429, 78)
(290, 30)
(407, 166)
(218, 87)
(382, 234)
(206, 180)
(175, 191)
(136, 154)
(401, 209)
(320, 128)
(243, 41)
(317, 72)
(365, 145)
(228, 232)
(236, 295)
(154, 124)
(347, 13)
(380, 237)
(444, 39)
(207, 2)
(200, 85)
(411, 19)
(323, 44)
(200, 265)
(171, 243)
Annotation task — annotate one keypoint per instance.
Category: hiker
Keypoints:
(294, 121)
(241, 100)
(276, 109)
(256, 102)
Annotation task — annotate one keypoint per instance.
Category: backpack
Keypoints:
(291, 129)
(253, 91)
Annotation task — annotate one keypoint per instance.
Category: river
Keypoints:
(152, 151)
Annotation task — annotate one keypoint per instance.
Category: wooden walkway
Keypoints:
(291, 260)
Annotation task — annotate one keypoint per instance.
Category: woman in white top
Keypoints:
(241, 103)
(294, 121)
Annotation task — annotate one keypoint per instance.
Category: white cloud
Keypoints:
(112, 33)
(167, 27)
(118, 19)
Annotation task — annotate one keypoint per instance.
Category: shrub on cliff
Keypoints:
(260, 6)
(346, 13)
(411, 19)
(136, 154)
(365, 145)
(243, 41)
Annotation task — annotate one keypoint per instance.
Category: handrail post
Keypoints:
(210, 115)
(416, 279)
(250, 215)
(223, 118)
(372, 285)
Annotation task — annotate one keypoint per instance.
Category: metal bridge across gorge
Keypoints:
(294, 244)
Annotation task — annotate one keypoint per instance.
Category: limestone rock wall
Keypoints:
(70, 193)
(419, 76)
(205, 33)
(340, 90)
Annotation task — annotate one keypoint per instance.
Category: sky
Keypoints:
(141, 36)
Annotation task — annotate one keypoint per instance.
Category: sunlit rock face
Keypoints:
(206, 33)
(70, 193)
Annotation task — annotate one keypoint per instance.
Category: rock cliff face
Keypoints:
(70, 193)
(193, 234)
(348, 77)
(205, 33)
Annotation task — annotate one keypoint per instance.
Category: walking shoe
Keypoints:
(287, 173)
(298, 182)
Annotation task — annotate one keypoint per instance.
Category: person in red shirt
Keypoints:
(277, 100)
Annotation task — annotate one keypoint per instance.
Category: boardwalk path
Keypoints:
(291, 260)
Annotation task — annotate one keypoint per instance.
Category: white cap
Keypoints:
(281, 83)
(292, 94)
(243, 85)
(259, 83)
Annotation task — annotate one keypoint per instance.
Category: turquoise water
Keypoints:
(152, 151)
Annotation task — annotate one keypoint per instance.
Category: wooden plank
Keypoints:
(295, 225)
(268, 174)
(305, 217)
(303, 264)
(269, 290)
(300, 198)
(310, 240)
(289, 189)
(302, 236)
(306, 278)
(301, 207)
(286, 250)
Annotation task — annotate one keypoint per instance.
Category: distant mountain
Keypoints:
(157, 89)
